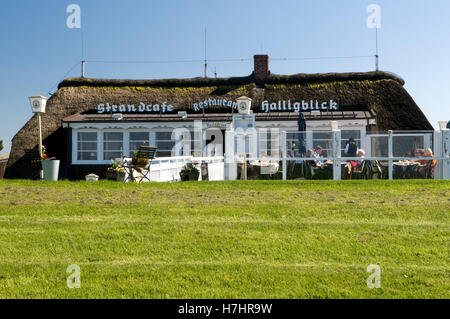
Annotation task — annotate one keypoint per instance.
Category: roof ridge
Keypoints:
(243, 80)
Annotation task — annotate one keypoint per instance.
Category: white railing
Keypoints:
(215, 166)
(441, 151)
(167, 169)
(440, 141)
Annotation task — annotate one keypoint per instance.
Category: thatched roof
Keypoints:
(380, 92)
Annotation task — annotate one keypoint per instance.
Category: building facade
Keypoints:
(91, 121)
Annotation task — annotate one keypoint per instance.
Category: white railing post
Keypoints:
(229, 156)
(390, 153)
(438, 143)
(337, 155)
(446, 154)
(284, 154)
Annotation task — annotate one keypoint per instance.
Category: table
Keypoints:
(405, 169)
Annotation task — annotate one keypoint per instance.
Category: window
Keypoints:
(164, 144)
(87, 146)
(137, 139)
(405, 144)
(112, 145)
(196, 141)
(269, 142)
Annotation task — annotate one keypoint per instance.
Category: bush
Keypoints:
(1, 145)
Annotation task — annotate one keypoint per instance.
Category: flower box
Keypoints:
(192, 176)
(189, 173)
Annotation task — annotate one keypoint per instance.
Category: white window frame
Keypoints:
(75, 159)
(163, 130)
(368, 138)
(112, 130)
(142, 130)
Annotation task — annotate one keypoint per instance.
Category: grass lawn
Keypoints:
(255, 239)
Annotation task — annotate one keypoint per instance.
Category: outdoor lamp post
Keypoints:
(334, 125)
(442, 125)
(38, 103)
(244, 104)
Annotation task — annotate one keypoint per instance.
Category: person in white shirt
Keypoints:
(361, 153)
(317, 151)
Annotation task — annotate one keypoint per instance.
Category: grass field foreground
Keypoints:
(255, 239)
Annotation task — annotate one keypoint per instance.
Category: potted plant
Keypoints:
(116, 171)
(111, 172)
(50, 166)
(121, 174)
(139, 161)
(189, 173)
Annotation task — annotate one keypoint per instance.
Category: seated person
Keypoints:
(352, 165)
(310, 154)
(418, 153)
(361, 154)
(317, 154)
(427, 153)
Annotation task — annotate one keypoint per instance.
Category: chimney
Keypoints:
(261, 68)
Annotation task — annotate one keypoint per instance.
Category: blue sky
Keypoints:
(38, 49)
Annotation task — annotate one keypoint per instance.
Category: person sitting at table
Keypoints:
(427, 153)
(352, 165)
(418, 153)
(310, 154)
(317, 154)
(361, 154)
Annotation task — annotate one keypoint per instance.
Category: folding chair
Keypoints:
(144, 154)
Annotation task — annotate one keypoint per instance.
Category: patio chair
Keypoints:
(309, 169)
(429, 170)
(426, 172)
(360, 172)
(145, 154)
(375, 168)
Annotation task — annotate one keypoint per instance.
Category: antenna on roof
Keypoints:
(82, 68)
(376, 50)
(82, 54)
(206, 63)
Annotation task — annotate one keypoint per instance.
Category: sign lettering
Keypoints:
(298, 106)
